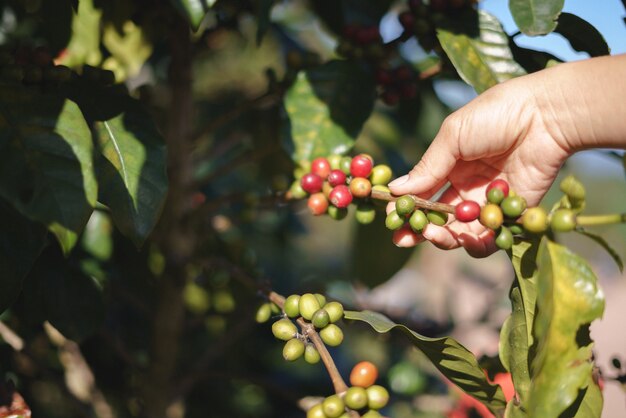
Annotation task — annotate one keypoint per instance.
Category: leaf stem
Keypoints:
(593, 220)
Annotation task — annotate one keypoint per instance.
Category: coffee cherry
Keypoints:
(296, 191)
(371, 414)
(535, 220)
(418, 221)
(377, 397)
(311, 183)
(365, 213)
(495, 195)
(284, 329)
(336, 177)
(264, 313)
(355, 398)
(326, 189)
(437, 218)
(363, 374)
(318, 204)
(308, 305)
(292, 306)
(361, 166)
(337, 213)
(467, 211)
(321, 167)
(572, 188)
(333, 406)
(405, 205)
(332, 335)
(335, 161)
(393, 221)
(344, 165)
(360, 187)
(500, 184)
(516, 229)
(335, 311)
(381, 188)
(340, 196)
(381, 174)
(513, 206)
(311, 355)
(491, 216)
(504, 240)
(316, 412)
(293, 349)
(321, 299)
(320, 318)
(563, 220)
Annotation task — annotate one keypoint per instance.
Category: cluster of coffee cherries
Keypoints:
(314, 309)
(333, 183)
(406, 212)
(363, 396)
(396, 84)
(361, 42)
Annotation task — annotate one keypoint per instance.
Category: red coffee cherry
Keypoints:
(467, 211)
(340, 196)
(321, 167)
(500, 184)
(361, 166)
(363, 374)
(360, 187)
(311, 183)
(336, 177)
(318, 204)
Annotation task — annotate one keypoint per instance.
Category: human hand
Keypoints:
(500, 134)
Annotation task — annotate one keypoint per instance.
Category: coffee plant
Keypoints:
(155, 160)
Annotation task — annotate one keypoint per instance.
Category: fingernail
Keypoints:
(399, 181)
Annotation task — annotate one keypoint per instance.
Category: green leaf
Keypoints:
(46, 168)
(21, 241)
(327, 107)
(483, 59)
(523, 256)
(531, 59)
(84, 46)
(456, 362)
(602, 242)
(582, 35)
(194, 10)
(535, 17)
(569, 299)
(131, 170)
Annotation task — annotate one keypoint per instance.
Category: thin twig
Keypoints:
(419, 202)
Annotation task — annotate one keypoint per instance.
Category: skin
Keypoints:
(521, 131)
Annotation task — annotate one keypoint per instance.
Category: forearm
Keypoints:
(583, 103)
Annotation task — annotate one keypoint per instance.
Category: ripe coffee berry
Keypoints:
(311, 183)
(321, 167)
(535, 220)
(363, 374)
(360, 166)
(360, 187)
(467, 211)
(491, 216)
(336, 177)
(340, 196)
(318, 204)
(405, 205)
(500, 184)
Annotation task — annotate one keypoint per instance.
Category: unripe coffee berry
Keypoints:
(513, 206)
(321, 167)
(336, 177)
(284, 329)
(371, 414)
(500, 184)
(320, 318)
(316, 412)
(332, 335)
(467, 211)
(363, 374)
(311, 355)
(340, 196)
(491, 216)
(344, 165)
(365, 213)
(361, 166)
(264, 313)
(360, 187)
(335, 161)
(573, 188)
(381, 174)
(293, 349)
(291, 306)
(355, 398)
(337, 213)
(296, 191)
(311, 183)
(437, 218)
(495, 195)
(504, 240)
(393, 221)
(321, 299)
(563, 220)
(326, 189)
(535, 220)
(405, 205)
(333, 406)
(318, 204)
(308, 305)
(418, 221)
(516, 229)
(377, 397)
(335, 311)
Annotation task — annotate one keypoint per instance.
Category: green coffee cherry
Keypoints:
(333, 406)
(335, 161)
(495, 196)
(293, 349)
(296, 190)
(355, 398)
(284, 329)
(573, 188)
(308, 305)
(264, 313)
(405, 205)
(332, 335)
(437, 218)
(371, 414)
(316, 412)
(513, 206)
(491, 216)
(381, 174)
(504, 240)
(335, 311)
(563, 220)
(365, 213)
(393, 221)
(321, 299)
(381, 188)
(377, 397)
(344, 165)
(535, 220)
(320, 318)
(516, 229)
(337, 213)
(292, 306)
(418, 221)
(311, 355)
